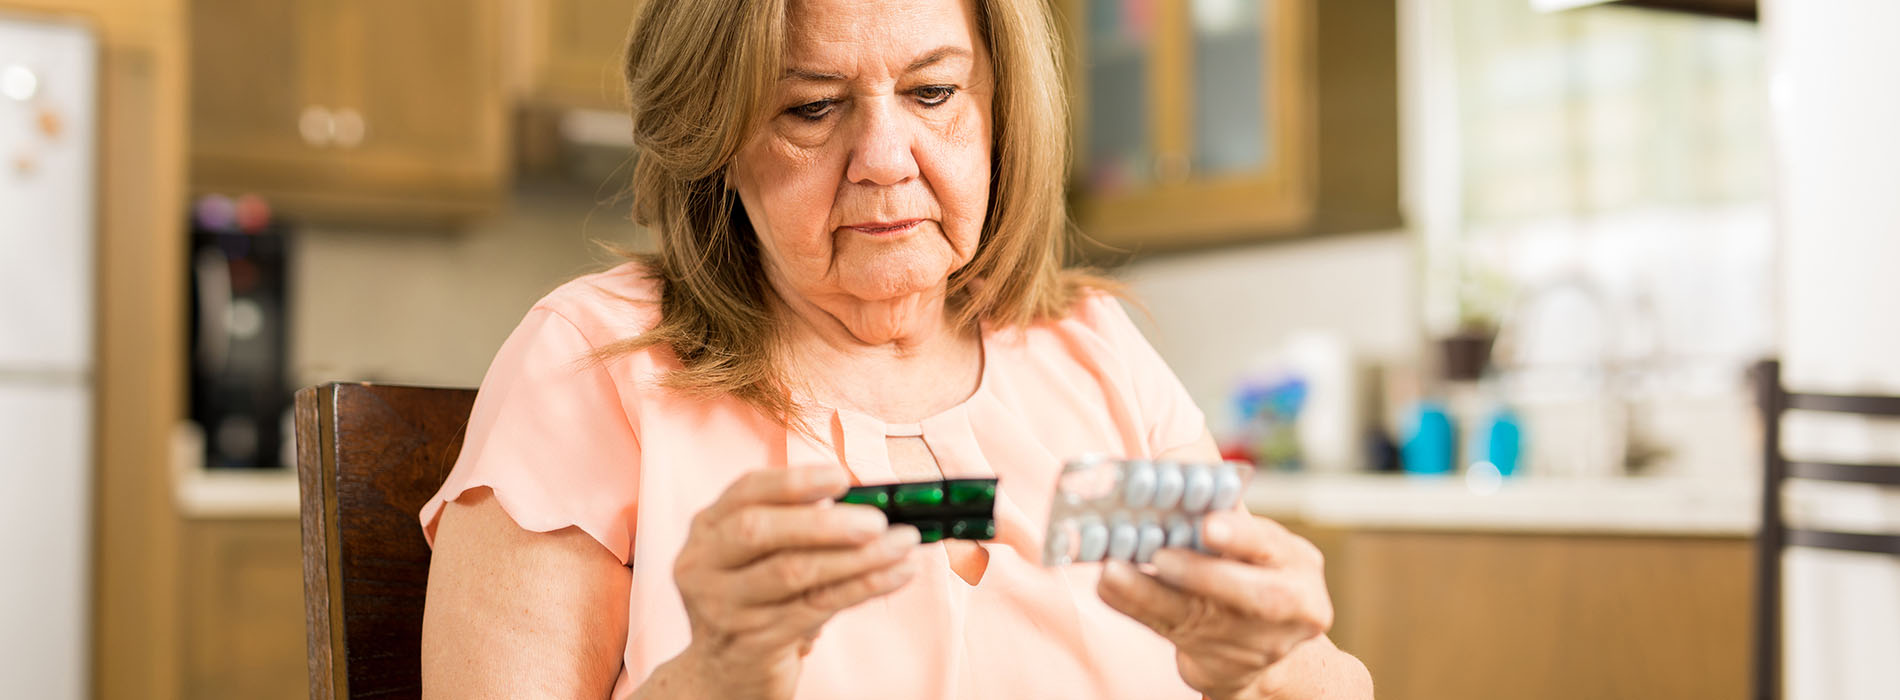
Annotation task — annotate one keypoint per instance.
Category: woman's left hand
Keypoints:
(1231, 616)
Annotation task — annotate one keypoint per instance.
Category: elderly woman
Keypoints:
(859, 280)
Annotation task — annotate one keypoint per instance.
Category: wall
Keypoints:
(1214, 314)
(432, 307)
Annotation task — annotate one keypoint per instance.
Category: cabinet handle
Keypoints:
(316, 126)
(349, 128)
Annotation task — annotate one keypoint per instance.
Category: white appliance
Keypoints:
(1833, 66)
(48, 93)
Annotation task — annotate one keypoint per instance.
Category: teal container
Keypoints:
(1432, 447)
(1504, 441)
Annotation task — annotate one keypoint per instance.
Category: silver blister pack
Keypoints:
(1125, 509)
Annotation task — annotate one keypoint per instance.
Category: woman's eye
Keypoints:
(812, 111)
(933, 95)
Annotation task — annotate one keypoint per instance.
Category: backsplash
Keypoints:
(1214, 315)
(431, 307)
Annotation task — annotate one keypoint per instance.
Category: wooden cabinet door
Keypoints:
(243, 616)
(256, 69)
(1454, 616)
(351, 110)
(421, 94)
(577, 47)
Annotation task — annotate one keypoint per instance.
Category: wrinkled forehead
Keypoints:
(878, 38)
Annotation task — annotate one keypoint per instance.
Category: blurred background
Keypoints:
(1479, 284)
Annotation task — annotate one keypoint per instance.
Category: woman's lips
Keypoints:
(885, 228)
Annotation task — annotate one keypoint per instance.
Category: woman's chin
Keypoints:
(902, 291)
(894, 276)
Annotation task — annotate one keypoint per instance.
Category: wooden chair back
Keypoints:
(1775, 535)
(368, 457)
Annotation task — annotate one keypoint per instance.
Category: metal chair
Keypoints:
(1775, 535)
(368, 457)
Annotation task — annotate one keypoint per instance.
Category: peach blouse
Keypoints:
(604, 449)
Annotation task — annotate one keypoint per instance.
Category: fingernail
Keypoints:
(1166, 562)
(1214, 532)
(867, 520)
(902, 537)
(1116, 570)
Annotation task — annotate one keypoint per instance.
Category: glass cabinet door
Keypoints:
(1195, 117)
(1230, 68)
(1118, 79)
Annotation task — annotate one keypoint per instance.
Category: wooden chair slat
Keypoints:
(368, 457)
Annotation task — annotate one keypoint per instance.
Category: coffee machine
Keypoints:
(239, 350)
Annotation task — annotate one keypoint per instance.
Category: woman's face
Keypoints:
(870, 178)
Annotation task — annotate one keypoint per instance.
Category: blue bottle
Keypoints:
(1504, 441)
(1433, 443)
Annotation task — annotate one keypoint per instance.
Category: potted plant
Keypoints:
(1482, 296)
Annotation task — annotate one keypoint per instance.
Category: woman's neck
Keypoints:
(901, 360)
(900, 325)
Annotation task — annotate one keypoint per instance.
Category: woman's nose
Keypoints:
(882, 153)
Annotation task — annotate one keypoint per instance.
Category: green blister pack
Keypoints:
(963, 509)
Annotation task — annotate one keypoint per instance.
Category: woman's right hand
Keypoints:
(770, 562)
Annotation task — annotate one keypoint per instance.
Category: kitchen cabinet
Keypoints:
(243, 626)
(1446, 615)
(1548, 588)
(351, 110)
(1733, 9)
(1221, 121)
(571, 52)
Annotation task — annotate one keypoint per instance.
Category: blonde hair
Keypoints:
(700, 75)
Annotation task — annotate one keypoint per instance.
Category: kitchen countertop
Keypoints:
(236, 493)
(202, 493)
(1631, 505)
(1699, 506)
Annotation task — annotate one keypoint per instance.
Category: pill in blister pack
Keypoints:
(962, 509)
(1127, 508)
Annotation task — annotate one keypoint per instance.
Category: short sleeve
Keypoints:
(1167, 412)
(550, 435)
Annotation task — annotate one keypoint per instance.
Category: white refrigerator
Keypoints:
(48, 216)
(1834, 71)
